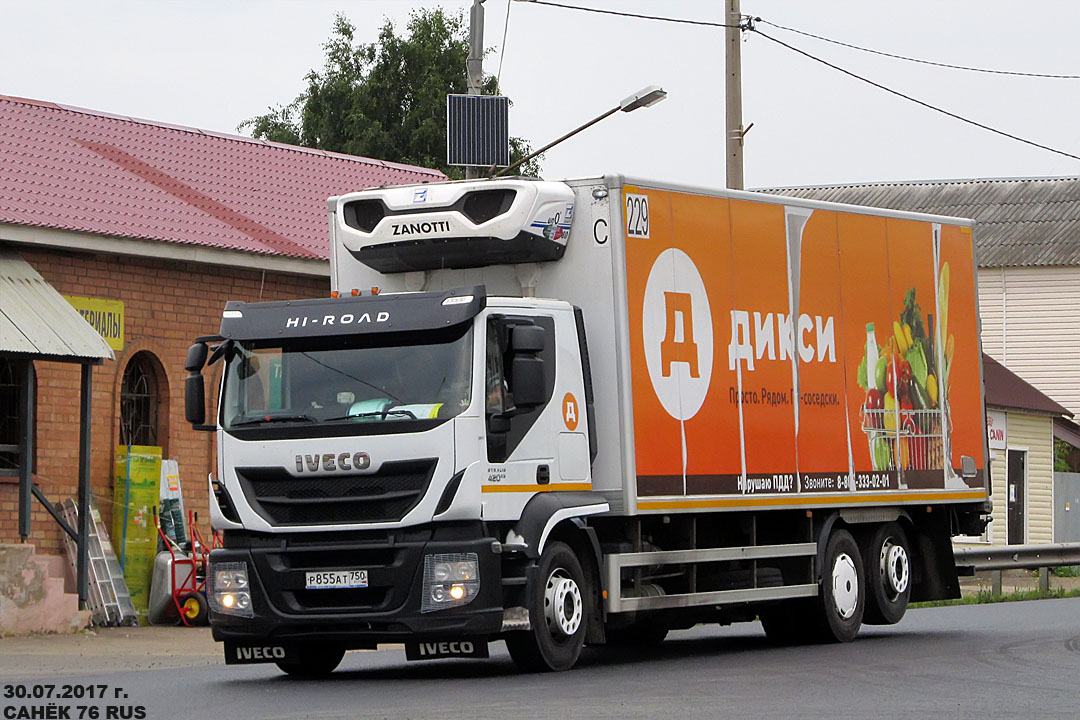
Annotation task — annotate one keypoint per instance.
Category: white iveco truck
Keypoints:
(558, 413)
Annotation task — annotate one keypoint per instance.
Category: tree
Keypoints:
(386, 99)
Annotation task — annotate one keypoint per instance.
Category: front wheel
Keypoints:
(310, 661)
(557, 613)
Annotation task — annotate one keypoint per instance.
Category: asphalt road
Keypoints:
(1002, 660)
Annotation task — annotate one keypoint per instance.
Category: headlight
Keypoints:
(228, 589)
(450, 580)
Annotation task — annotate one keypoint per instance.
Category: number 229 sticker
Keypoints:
(637, 216)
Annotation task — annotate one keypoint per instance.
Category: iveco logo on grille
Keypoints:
(333, 461)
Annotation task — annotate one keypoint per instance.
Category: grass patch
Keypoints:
(986, 596)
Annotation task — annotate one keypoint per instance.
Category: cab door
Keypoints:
(516, 435)
(543, 445)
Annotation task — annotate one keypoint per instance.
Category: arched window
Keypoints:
(140, 401)
(12, 419)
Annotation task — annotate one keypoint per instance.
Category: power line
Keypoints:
(914, 100)
(917, 60)
(750, 25)
(630, 15)
(810, 35)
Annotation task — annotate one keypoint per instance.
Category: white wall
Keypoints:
(1034, 433)
(1031, 324)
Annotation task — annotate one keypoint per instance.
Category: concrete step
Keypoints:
(32, 594)
(58, 566)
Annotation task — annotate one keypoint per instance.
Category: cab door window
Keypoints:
(506, 424)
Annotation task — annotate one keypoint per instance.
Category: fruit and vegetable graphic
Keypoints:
(906, 381)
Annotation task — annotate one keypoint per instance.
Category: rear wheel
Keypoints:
(836, 614)
(888, 574)
(310, 661)
(842, 600)
(557, 613)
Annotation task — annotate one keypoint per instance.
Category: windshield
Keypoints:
(421, 376)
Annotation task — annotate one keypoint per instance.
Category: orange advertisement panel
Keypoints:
(783, 350)
(823, 452)
(958, 329)
(653, 426)
(911, 402)
(764, 344)
(713, 463)
(686, 436)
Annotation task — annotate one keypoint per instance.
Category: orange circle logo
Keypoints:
(570, 411)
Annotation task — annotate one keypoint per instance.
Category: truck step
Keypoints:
(516, 618)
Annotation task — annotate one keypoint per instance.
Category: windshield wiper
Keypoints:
(292, 417)
(373, 413)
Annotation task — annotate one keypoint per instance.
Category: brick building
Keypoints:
(147, 229)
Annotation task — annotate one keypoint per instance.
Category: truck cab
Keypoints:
(377, 449)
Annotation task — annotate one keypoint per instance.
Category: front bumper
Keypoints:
(386, 611)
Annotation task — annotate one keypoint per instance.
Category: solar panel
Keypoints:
(477, 130)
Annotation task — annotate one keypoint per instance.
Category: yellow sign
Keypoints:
(106, 316)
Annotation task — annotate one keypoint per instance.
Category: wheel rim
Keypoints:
(191, 608)
(845, 586)
(563, 607)
(895, 569)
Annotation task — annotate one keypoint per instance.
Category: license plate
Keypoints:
(336, 579)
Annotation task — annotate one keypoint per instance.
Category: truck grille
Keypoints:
(282, 573)
(387, 495)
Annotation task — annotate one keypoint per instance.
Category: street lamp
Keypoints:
(646, 97)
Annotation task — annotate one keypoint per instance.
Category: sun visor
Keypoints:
(390, 312)
(455, 225)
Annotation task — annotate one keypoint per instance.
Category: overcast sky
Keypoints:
(213, 64)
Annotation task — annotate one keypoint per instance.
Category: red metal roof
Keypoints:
(85, 171)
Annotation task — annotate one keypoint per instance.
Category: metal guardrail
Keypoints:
(1008, 557)
(1022, 557)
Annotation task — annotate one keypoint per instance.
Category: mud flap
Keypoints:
(249, 653)
(437, 649)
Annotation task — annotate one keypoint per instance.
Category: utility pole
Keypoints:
(733, 98)
(475, 64)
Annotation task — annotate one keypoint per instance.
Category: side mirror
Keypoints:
(529, 387)
(195, 387)
(498, 424)
(195, 399)
(196, 358)
(527, 339)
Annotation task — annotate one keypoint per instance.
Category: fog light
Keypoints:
(228, 590)
(450, 580)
